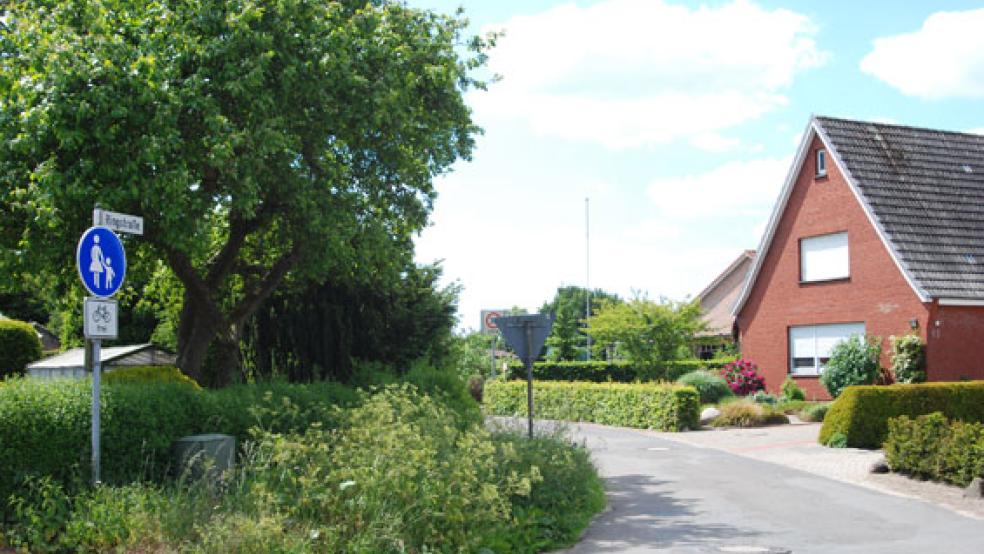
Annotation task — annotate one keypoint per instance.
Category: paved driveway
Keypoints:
(672, 496)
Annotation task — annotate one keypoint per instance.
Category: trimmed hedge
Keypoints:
(616, 372)
(930, 447)
(641, 405)
(148, 374)
(19, 346)
(861, 413)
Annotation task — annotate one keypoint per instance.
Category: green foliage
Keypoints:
(853, 361)
(148, 374)
(861, 413)
(648, 333)
(931, 447)
(762, 397)
(645, 406)
(45, 425)
(791, 391)
(567, 340)
(616, 372)
(470, 354)
(263, 143)
(814, 412)
(744, 412)
(710, 385)
(560, 504)
(448, 388)
(395, 314)
(399, 474)
(19, 346)
(836, 440)
(908, 358)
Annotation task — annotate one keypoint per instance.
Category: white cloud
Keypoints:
(977, 131)
(735, 189)
(631, 73)
(945, 58)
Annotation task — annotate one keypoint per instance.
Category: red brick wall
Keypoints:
(956, 343)
(876, 293)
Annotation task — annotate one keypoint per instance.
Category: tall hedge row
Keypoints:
(615, 372)
(861, 413)
(641, 405)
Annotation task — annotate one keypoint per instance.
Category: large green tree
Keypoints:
(647, 332)
(260, 141)
(567, 340)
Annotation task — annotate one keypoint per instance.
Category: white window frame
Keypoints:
(817, 341)
(821, 257)
(821, 162)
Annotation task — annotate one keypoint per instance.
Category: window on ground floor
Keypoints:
(810, 345)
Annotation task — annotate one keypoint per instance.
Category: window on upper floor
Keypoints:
(821, 162)
(824, 258)
(810, 345)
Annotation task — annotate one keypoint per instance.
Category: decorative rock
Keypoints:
(709, 414)
(879, 466)
(975, 489)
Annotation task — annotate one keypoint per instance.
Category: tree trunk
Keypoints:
(198, 328)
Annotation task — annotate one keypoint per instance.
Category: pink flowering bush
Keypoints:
(743, 378)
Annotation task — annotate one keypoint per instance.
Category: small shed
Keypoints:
(71, 363)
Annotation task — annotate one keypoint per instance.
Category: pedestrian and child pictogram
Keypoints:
(101, 261)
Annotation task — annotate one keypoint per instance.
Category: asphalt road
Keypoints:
(672, 497)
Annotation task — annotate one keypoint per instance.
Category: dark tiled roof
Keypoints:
(925, 188)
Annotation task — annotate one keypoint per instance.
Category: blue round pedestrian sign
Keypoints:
(101, 261)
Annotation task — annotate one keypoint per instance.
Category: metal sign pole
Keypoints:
(492, 354)
(529, 373)
(96, 367)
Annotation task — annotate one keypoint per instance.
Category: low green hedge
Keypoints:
(861, 413)
(616, 372)
(930, 447)
(641, 405)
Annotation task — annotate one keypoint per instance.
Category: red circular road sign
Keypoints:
(489, 316)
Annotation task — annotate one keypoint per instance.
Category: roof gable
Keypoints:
(816, 129)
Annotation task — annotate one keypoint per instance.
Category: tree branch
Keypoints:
(272, 279)
(222, 262)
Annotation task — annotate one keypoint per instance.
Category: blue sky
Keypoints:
(678, 120)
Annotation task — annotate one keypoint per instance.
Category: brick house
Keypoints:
(879, 229)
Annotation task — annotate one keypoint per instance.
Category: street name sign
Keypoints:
(101, 318)
(124, 223)
(101, 261)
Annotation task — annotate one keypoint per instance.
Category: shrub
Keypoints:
(618, 372)
(746, 413)
(792, 391)
(19, 346)
(710, 386)
(148, 374)
(861, 413)
(743, 378)
(814, 412)
(909, 358)
(930, 447)
(762, 397)
(853, 361)
(476, 387)
(641, 405)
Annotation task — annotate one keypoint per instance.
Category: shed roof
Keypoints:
(76, 356)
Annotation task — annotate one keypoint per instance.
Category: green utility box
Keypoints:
(211, 454)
